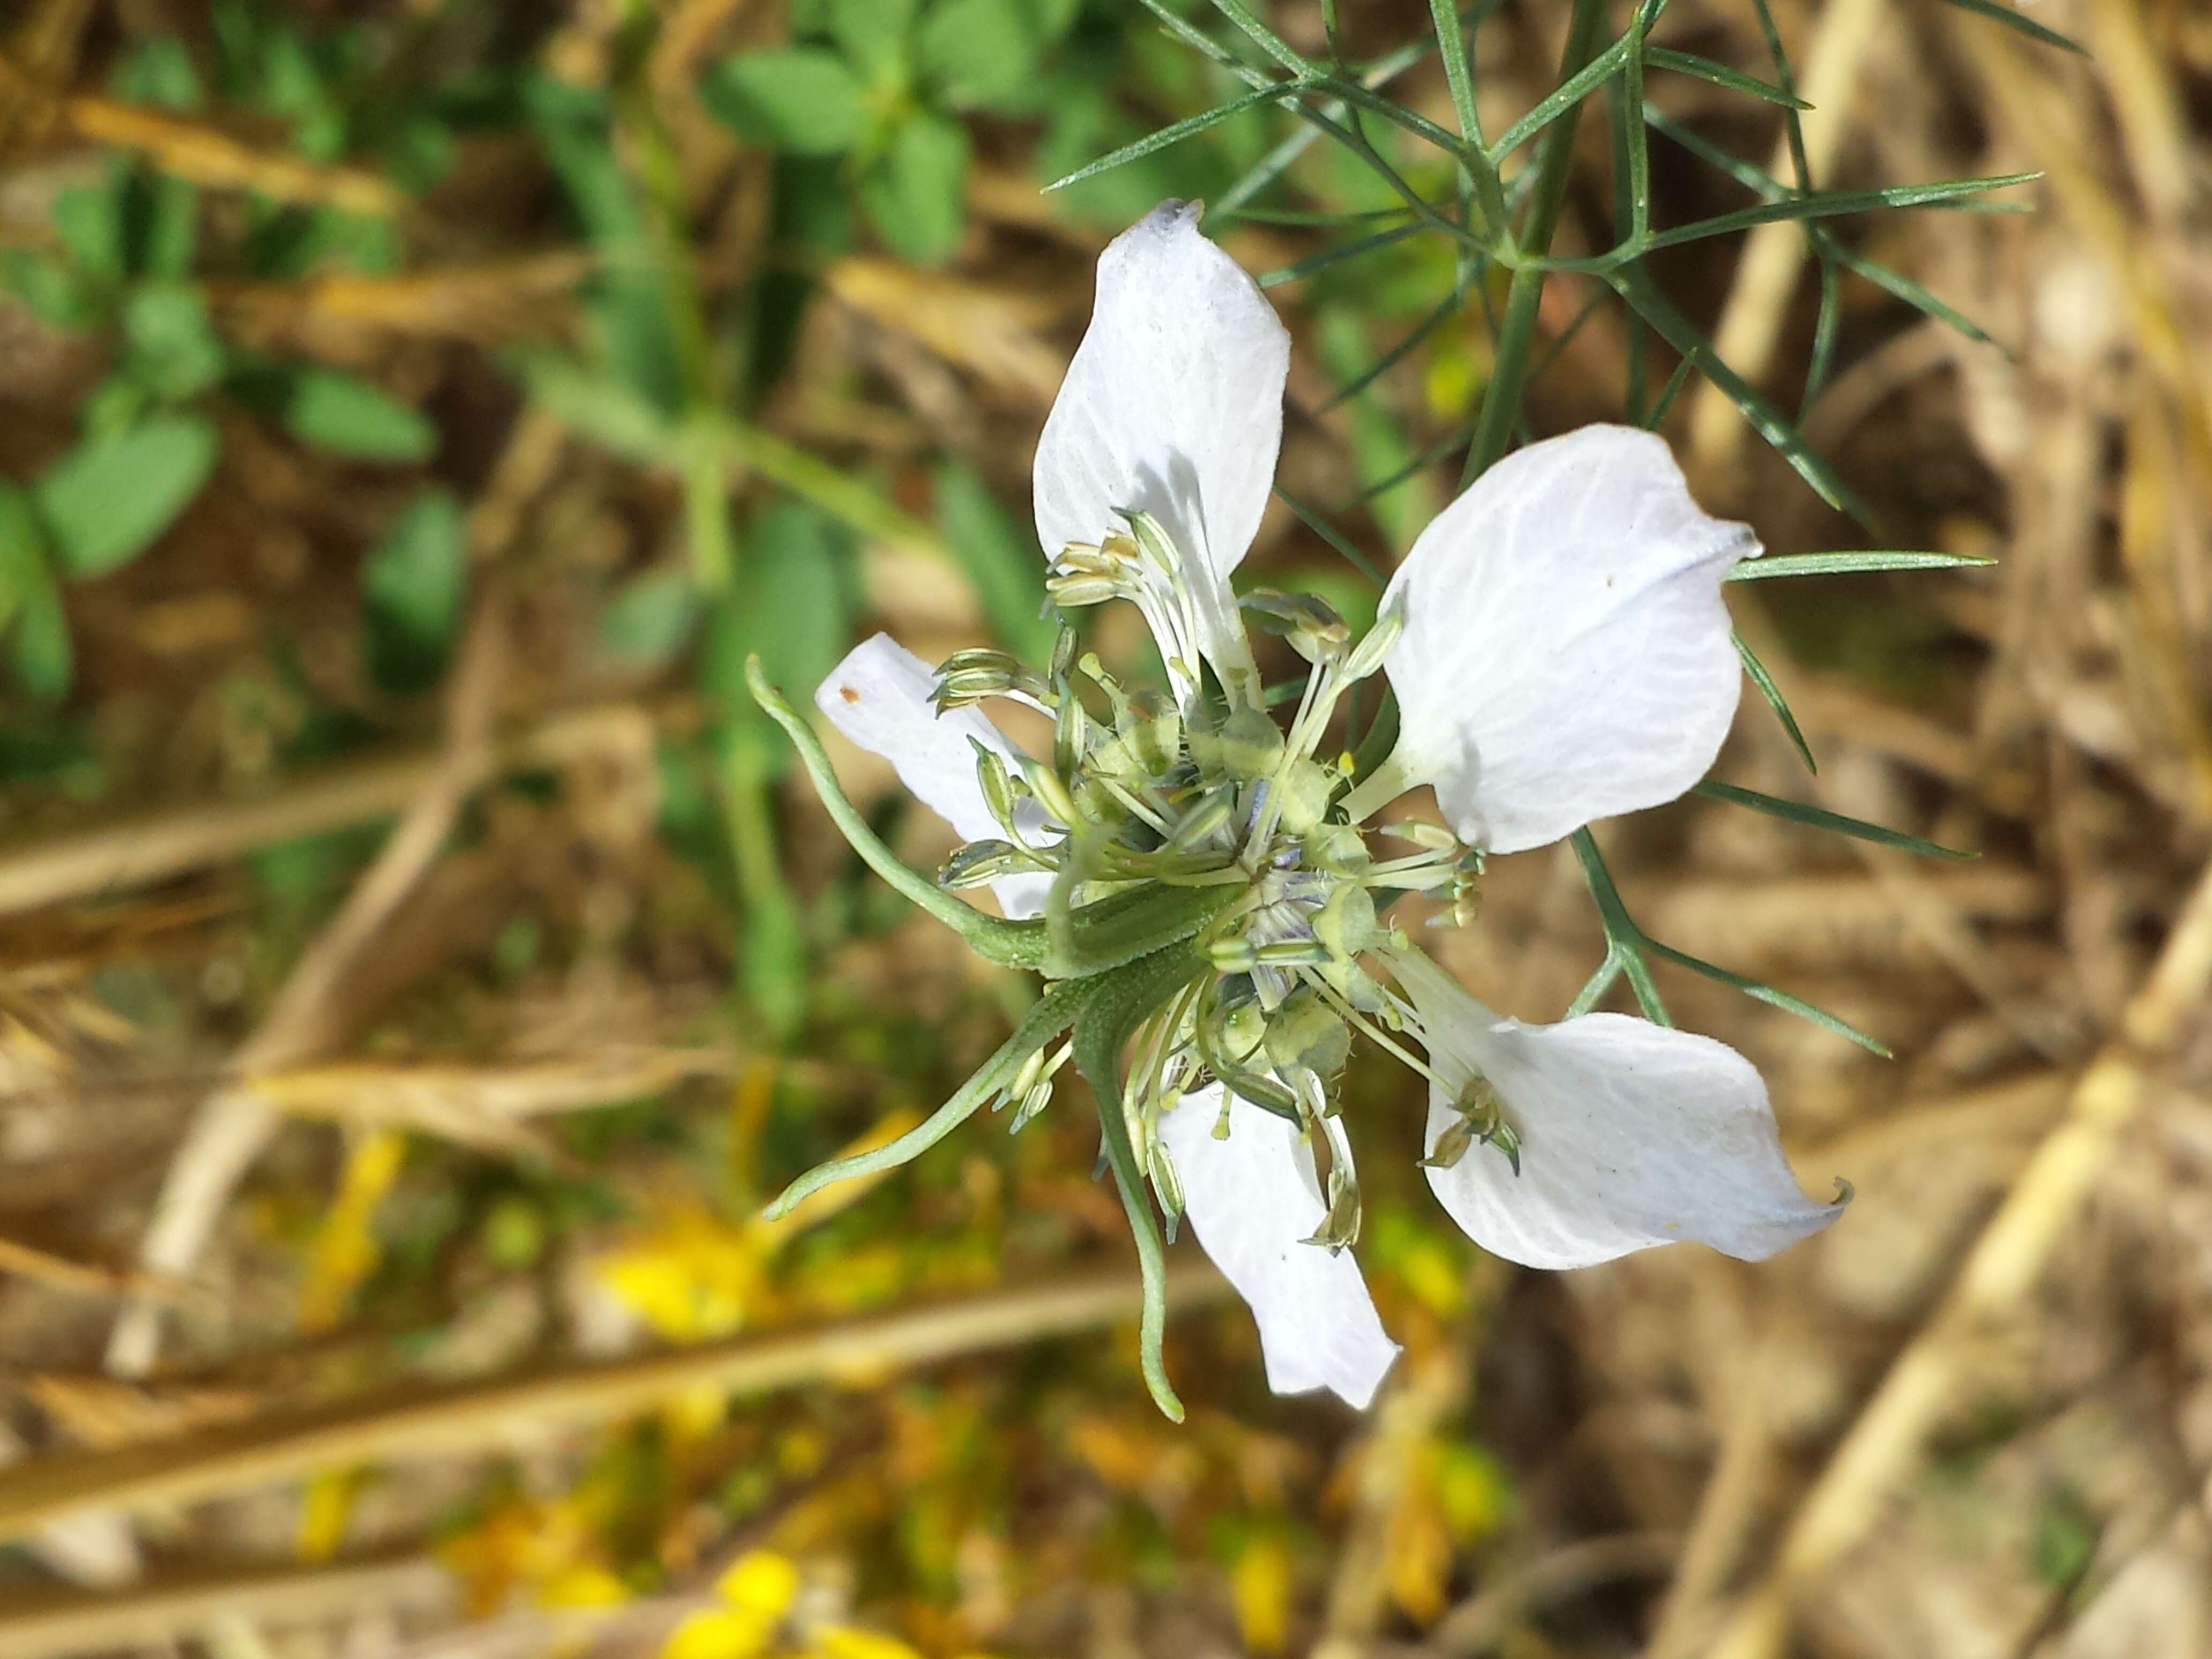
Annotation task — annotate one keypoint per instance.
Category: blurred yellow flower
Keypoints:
(719, 1633)
(757, 1593)
(760, 1581)
(692, 1278)
(1260, 1586)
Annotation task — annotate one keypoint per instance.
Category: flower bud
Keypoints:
(1249, 743)
(1305, 1033)
(1155, 731)
(1233, 954)
(1306, 621)
(978, 861)
(1000, 792)
(967, 677)
(1199, 822)
(1074, 591)
(1047, 785)
(1375, 645)
(1302, 796)
(1346, 925)
(1433, 836)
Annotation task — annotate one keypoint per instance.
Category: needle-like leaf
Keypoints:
(1818, 818)
(1849, 561)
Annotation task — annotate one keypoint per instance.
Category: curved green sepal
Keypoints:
(1009, 944)
(1096, 938)
(1051, 1014)
(1111, 1011)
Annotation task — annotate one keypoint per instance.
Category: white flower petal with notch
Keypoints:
(1632, 1134)
(1173, 406)
(1566, 654)
(1253, 1199)
(879, 697)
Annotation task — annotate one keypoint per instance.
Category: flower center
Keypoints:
(1204, 789)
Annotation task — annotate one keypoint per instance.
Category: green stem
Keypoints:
(1009, 944)
(772, 949)
(1451, 45)
(1501, 400)
(1625, 940)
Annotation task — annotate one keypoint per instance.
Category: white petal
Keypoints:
(1173, 402)
(1631, 1135)
(879, 698)
(1254, 1200)
(1566, 653)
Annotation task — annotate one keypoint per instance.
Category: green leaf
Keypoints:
(117, 402)
(1773, 998)
(348, 415)
(1272, 166)
(648, 620)
(88, 218)
(1000, 558)
(2016, 19)
(1328, 533)
(1772, 693)
(57, 292)
(413, 588)
(1103, 1024)
(1764, 185)
(159, 71)
(1325, 258)
(1827, 204)
(1459, 74)
(1849, 561)
(1048, 1016)
(1818, 818)
(799, 99)
(38, 646)
(875, 34)
(597, 407)
(39, 654)
(1721, 75)
(977, 52)
(105, 501)
(628, 302)
(1268, 41)
(173, 348)
(797, 587)
(1634, 284)
(1916, 296)
(1445, 308)
(1668, 393)
(915, 193)
(1175, 133)
(1563, 98)
(771, 941)
(160, 225)
(23, 552)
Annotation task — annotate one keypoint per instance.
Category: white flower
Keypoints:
(879, 697)
(1254, 1201)
(1560, 653)
(1566, 654)
(1629, 1134)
